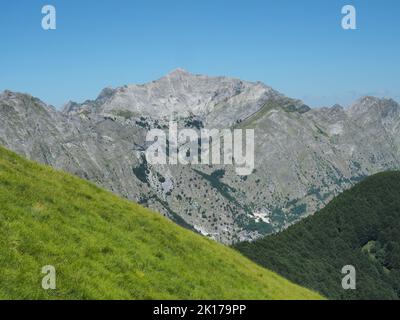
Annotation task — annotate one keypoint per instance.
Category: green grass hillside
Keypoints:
(104, 247)
(361, 227)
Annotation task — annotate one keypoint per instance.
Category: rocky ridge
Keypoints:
(303, 157)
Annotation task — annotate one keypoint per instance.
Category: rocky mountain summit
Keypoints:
(303, 156)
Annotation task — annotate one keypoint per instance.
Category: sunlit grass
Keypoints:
(105, 247)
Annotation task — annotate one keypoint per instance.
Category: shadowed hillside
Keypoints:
(361, 227)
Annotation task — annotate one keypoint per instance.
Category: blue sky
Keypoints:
(297, 47)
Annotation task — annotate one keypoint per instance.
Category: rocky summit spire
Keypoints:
(179, 72)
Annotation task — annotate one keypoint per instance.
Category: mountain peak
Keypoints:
(7, 94)
(337, 107)
(24, 101)
(178, 72)
(368, 100)
(106, 93)
(369, 103)
(70, 106)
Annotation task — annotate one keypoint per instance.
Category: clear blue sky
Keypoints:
(297, 47)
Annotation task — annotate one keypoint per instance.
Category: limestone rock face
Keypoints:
(303, 157)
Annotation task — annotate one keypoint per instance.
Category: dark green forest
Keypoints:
(361, 227)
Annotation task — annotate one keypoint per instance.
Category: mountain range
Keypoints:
(303, 157)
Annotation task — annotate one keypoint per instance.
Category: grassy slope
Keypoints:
(361, 227)
(104, 247)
